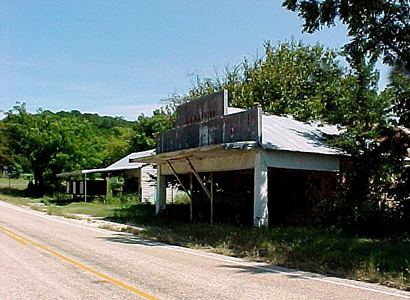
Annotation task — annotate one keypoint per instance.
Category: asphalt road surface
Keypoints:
(48, 257)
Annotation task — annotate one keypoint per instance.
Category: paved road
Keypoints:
(47, 257)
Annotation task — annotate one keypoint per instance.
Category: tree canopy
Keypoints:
(377, 27)
(50, 143)
(146, 129)
(307, 82)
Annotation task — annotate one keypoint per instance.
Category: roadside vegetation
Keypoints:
(15, 183)
(325, 250)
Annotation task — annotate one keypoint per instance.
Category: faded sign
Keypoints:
(202, 109)
(239, 127)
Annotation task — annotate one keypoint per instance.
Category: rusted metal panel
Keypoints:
(202, 109)
(243, 126)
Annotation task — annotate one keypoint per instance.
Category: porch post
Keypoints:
(107, 186)
(260, 196)
(85, 187)
(161, 191)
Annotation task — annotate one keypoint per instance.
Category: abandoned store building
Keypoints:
(244, 166)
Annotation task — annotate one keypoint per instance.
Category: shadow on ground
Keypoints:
(130, 240)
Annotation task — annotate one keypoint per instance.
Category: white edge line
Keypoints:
(214, 257)
(299, 275)
(42, 215)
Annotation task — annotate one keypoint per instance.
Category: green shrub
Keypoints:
(181, 198)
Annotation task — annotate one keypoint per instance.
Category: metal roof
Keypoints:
(125, 164)
(122, 164)
(284, 133)
(288, 134)
(278, 133)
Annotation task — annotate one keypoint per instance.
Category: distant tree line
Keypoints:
(47, 143)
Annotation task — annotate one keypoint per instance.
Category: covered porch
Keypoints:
(240, 180)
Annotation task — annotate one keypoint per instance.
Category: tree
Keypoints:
(304, 81)
(50, 144)
(116, 144)
(377, 27)
(5, 157)
(399, 89)
(113, 134)
(147, 129)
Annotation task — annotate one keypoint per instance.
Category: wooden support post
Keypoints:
(161, 191)
(260, 200)
(189, 192)
(212, 198)
(191, 186)
(177, 177)
(85, 187)
(108, 191)
(207, 192)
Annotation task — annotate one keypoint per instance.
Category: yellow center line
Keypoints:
(78, 264)
(13, 236)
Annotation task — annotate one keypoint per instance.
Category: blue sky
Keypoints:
(122, 57)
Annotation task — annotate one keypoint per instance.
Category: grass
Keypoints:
(19, 184)
(94, 209)
(17, 200)
(322, 250)
(16, 193)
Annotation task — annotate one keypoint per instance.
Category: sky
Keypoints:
(122, 57)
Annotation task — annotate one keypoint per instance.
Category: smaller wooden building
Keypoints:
(139, 178)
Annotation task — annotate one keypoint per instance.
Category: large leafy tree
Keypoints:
(291, 78)
(399, 89)
(116, 144)
(377, 27)
(147, 129)
(113, 133)
(5, 157)
(50, 144)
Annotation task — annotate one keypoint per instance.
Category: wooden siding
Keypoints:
(148, 183)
